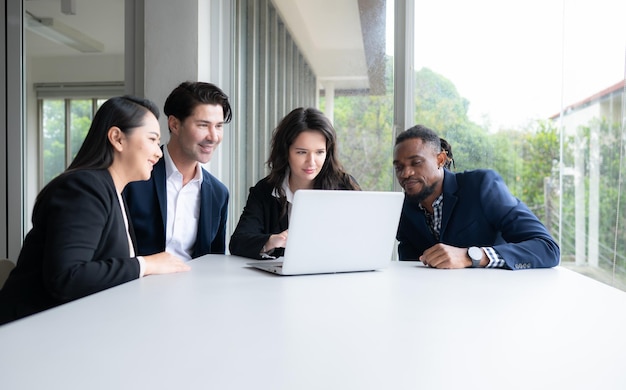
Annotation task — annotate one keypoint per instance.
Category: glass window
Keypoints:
(593, 220)
(64, 122)
(535, 91)
(364, 125)
(362, 113)
(80, 119)
(53, 138)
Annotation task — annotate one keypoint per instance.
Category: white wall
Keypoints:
(197, 50)
(171, 49)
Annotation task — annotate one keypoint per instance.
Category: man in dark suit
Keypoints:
(182, 209)
(459, 220)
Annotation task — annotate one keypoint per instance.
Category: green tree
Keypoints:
(81, 116)
(439, 106)
(54, 133)
(540, 155)
(364, 125)
(53, 138)
(528, 158)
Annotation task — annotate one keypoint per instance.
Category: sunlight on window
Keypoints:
(53, 135)
(535, 91)
(56, 130)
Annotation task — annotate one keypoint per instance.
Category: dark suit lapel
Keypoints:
(158, 174)
(450, 187)
(204, 223)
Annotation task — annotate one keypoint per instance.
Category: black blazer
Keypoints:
(77, 246)
(261, 217)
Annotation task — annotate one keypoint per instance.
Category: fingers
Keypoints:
(164, 263)
(277, 241)
(444, 256)
(433, 256)
(179, 266)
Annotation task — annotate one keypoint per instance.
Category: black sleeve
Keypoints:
(261, 217)
(86, 246)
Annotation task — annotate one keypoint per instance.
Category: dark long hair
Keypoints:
(332, 175)
(125, 112)
(183, 99)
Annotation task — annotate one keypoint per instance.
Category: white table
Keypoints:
(226, 326)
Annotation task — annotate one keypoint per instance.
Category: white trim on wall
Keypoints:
(3, 138)
(13, 194)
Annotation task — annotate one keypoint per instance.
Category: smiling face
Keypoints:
(139, 149)
(418, 170)
(196, 137)
(307, 154)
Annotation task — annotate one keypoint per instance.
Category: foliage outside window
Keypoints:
(65, 123)
(568, 167)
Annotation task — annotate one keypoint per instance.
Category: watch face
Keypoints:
(475, 253)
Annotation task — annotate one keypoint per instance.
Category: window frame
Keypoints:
(68, 92)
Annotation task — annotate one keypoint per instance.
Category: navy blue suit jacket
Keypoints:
(147, 207)
(479, 210)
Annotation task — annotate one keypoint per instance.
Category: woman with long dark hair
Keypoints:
(303, 156)
(80, 242)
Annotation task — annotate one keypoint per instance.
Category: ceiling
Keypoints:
(100, 20)
(328, 32)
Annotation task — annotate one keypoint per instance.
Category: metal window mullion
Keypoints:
(40, 147)
(68, 135)
(94, 107)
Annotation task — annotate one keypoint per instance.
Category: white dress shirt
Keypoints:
(288, 194)
(183, 209)
(131, 248)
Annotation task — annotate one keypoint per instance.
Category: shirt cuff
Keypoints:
(495, 260)
(267, 254)
(142, 265)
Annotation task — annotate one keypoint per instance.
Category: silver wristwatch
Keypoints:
(475, 254)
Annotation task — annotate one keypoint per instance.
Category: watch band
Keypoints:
(475, 254)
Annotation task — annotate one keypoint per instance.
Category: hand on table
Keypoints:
(164, 263)
(276, 241)
(446, 256)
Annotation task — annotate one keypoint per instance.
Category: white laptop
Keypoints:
(338, 231)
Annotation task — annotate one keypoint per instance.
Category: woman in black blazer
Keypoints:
(80, 242)
(302, 156)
